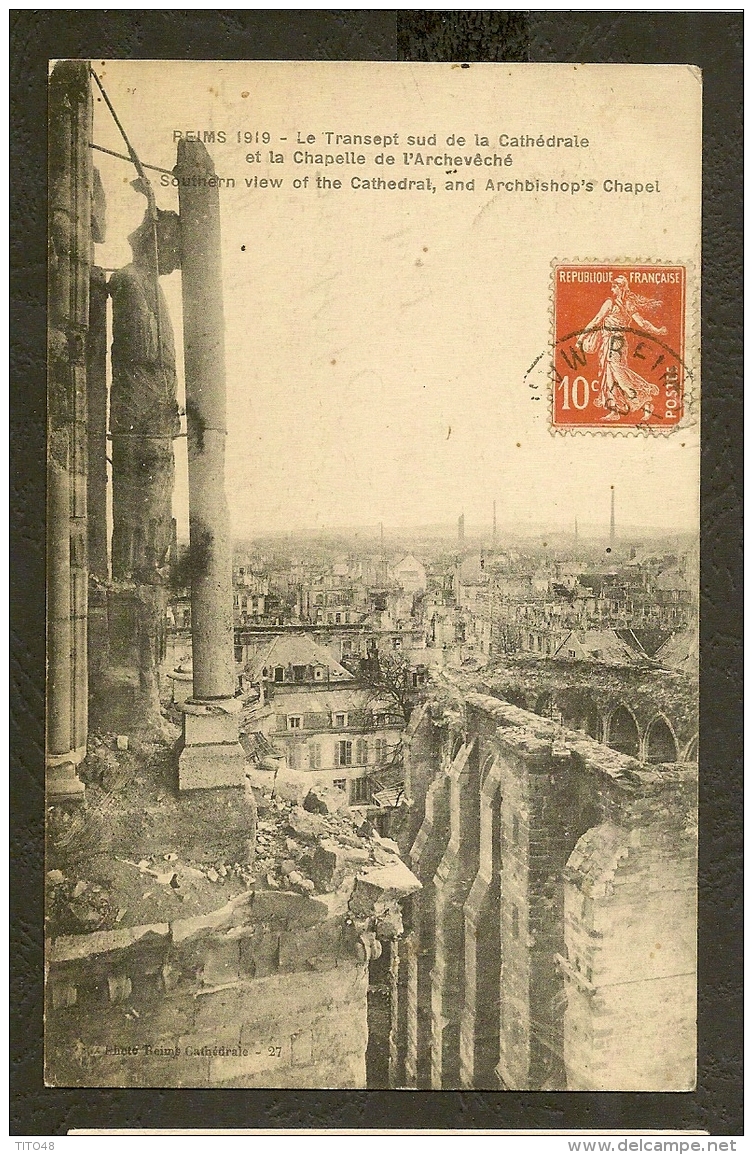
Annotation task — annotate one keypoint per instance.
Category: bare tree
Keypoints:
(390, 680)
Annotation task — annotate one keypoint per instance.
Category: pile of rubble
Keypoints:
(317, 847)
(140, 852)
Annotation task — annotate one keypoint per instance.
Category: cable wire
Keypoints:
(122, 156)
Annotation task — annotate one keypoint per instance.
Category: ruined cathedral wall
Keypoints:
(630, 949)
(542, 970)
(269, 997)
(529, 917)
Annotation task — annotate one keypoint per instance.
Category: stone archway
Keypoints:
(691, 750)
(660, 744)
(547, 706)
(487, 765)
(573, 806)
(623, 733)
(580, 712)
(544, 704)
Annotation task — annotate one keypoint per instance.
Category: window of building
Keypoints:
(279, 673)
(294, 757)
(340, 783)
(315, 756)
(318, 673)
(360, 791)
(239, 653)
(380, 749)
(295, 721)
(515, 922)
(362, 752)
(343, 753)
(341, 721)
(338, 618)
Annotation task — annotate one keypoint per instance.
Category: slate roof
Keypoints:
(298, 650)
(609, 646)
(649, 640)
(680, 652)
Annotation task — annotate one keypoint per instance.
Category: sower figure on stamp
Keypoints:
(144, 420)
(622, 390)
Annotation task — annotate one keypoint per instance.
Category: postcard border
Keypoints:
(713, 40)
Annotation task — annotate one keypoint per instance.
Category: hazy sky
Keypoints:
(377, 342)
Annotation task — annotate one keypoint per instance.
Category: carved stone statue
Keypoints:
(143, 408)
(144, 420)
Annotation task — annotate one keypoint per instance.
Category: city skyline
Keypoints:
(479, 532)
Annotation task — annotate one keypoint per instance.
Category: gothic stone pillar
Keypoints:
(70, 182)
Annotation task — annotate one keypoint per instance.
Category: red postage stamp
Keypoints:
(618, 346)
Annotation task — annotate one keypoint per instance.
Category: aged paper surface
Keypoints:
(373, 543)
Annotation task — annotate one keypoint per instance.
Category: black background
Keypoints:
(714, 42)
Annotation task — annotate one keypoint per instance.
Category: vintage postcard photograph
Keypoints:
(372, 575)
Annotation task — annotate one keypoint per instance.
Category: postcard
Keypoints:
(372, 641)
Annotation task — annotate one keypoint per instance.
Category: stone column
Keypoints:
(452, 885)
(394, 1078)
(62, 779)
(98, 641)
(97, 426)
(210, 754)
(98, 645)
(479, 1023)
(70, 184)
(425, 856)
